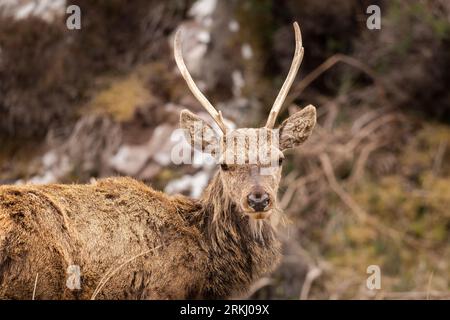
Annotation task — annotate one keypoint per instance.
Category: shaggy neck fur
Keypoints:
(224, 217)
(240, 249)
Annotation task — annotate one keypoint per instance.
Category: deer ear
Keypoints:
(198, 133)
(297, 128)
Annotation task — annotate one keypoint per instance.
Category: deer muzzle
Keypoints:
(258, 201)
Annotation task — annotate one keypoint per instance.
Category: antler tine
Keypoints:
(296, 61)
(217, 116)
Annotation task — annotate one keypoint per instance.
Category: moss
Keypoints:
(120, 98)
(361, 234)
(439, 25)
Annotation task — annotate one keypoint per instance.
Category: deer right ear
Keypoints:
(198, 133)
(297, 128)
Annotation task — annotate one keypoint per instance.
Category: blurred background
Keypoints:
(370, 187)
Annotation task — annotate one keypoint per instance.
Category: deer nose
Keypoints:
(258, 201)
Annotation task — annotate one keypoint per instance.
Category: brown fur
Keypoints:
(204, 248)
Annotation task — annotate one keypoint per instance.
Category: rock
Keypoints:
(191, 184)
(132, 159)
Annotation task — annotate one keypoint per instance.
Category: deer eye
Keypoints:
(280, 161)
(224, 166)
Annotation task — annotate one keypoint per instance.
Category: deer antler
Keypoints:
(296, 61)
(216, 115)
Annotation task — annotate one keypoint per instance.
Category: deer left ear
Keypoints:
(198, 133)
(297, 128)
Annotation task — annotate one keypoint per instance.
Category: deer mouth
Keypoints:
(259, 215)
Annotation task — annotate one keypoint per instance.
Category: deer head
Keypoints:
(250, 159)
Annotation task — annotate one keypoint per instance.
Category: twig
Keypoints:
(345, 197)
(312, 275)
(357, 210)
(361, 161)
(302, 85)
(333, 111)
(366, 131)
(294, 185)
(35, 285)
(366, 118)
(258, 285)
(417, 295)
(107, 276)
(437, 163)
(429, 285)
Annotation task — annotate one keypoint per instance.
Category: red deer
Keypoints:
(132, 242)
